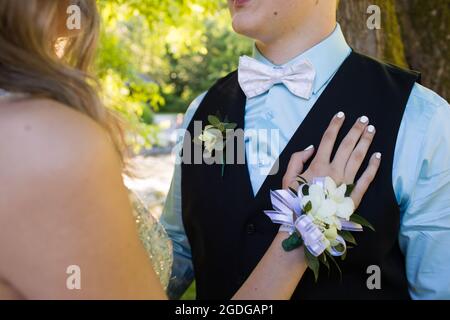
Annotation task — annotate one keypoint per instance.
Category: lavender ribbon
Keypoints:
(288, 212)
(311, 235)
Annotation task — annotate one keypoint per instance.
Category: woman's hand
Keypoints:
(278, 273)
(345, 164)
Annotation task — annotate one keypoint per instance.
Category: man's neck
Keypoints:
(283, 49)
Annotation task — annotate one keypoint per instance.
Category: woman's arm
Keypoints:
(278, 273)
(63, 203)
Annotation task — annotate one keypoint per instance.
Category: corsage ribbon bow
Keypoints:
(289, 213)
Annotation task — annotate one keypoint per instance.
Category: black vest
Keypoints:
(225, 223)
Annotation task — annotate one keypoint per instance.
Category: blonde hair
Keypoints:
(29, 62)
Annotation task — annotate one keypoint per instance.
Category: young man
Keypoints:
(301, 74)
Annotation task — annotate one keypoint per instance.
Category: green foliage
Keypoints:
(157, 56)
(293, 242)
(347, 236)
(308, 207)
(349, 190)
(190, 293)
(362, 221)
(313, 263)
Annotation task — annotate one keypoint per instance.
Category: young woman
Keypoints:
(62, 199)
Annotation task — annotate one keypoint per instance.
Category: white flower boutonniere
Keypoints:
(319, 216)
(215, 135)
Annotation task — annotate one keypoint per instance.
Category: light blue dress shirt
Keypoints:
(421, 171)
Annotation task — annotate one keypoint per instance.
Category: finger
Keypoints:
(329, 138)
(366, 179)
(295, 166)
(358, 155)
(348, 144)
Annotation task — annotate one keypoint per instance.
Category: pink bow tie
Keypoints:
(255, 78)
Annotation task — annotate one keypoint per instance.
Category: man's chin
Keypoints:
(244, 28)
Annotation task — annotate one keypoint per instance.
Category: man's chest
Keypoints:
(271, 121)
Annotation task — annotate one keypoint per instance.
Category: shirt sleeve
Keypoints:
(421, 179)
(171, 218)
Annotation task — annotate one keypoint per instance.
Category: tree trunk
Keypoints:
(414, 34)
(426, 35)
(385, 43)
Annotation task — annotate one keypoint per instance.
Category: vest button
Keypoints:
(251, 228)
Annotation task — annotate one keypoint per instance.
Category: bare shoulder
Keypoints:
(48, 148)
(46, 124)
(63, 203)
(44, 134)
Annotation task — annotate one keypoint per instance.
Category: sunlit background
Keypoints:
(156, 56)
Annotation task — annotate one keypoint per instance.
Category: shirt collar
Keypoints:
(326, 57)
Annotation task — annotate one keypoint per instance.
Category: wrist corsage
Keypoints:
(320, 216)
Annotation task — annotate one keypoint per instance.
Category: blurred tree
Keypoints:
(157, 56)
(194, 72)
(426, 35)
(414, 34)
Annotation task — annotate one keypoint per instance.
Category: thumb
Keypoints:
(295, 166)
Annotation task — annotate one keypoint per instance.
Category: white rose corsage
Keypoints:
(214, 136)
(319, 216)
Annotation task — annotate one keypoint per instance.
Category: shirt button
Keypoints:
(251, 229)
(263, 163)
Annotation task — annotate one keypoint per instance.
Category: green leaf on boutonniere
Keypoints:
(221, 127)
(308, 207)
(347, 235)
(313, 263)
(230, 126)
(350, 188)
(213, 120)
(360, 220)
(293, 242)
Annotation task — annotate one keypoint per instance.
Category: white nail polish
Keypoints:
(371, 129)
(364, 119)
(378, 155)
(309, 148)
(340, 115)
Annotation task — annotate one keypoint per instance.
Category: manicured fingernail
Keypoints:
(371, 129)
(309, 148)
(340, 115)
(378, 155)
(364, 119)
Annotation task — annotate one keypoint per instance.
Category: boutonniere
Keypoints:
(321, 217)
(215, 136)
